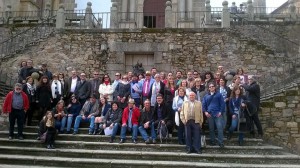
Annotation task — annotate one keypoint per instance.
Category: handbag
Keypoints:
(43, 137)
(203, 141)
(177, 118)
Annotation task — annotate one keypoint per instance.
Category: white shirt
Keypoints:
(73, 84)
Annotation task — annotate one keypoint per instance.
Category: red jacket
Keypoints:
(7, 105)
(135, 116)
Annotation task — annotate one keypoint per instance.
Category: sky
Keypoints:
(104, 5)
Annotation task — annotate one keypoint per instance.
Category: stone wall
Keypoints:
(280, 119)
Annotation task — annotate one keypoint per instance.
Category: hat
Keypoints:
(131, 101)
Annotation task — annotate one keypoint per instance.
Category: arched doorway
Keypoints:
(154, 13)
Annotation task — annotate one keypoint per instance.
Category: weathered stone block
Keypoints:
(287, 112)
(279, 124)
(292, 124)
(280, 104)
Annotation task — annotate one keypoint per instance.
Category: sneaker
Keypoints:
(154, 141)
(74, 133)
(122, 141)
(90, 133)
(10, 138)
(147, 141)
(134, 141)
(38, 138)
(48, 146)
(221, 145)
(52, 147)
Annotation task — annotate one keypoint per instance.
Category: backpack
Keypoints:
(162, 131)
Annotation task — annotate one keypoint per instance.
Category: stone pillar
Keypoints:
(190, 13)
(8, 14)
(292, 10)
(250, 10)
(60, 17)
(140, 14)
(225, 15)
(132, 10)
(114, 16)
(168, 14)
(207, 12)
(88, 19)
(181, 10)
(47, 11)
(124, 9)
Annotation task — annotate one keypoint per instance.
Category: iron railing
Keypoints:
(6, 82)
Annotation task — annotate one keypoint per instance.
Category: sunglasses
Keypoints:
(96, 74)
(18, 89)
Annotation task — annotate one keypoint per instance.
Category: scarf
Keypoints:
(106, 83)
(30, 89)
(155, 90)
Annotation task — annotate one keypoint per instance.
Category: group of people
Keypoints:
(136, 103)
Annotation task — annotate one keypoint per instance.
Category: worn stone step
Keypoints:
(263, 150)
(119, 163)
(157, 156)
(22, 166)
(103, 138)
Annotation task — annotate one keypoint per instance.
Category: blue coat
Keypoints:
(213, 104)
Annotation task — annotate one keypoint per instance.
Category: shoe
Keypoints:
(188, 151)
(122, 141)
(134, 141)
(154, 141)
(147, 141)
(74, 133)
(221, 145)
(61, 132)
(48, 147)
(90, 133)
(111, 140)
(10, 138)
(21, 138)
(52, 147)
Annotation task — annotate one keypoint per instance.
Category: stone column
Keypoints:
(181, 10)
(88, 19)
(250, 10)
(124, 9)
(60, 17)
(8, 12)
(168, 14)
(207, 12)
(292, 10)
(47, 11)
(140, 14)
(190, 13)
(132, 10)
(114, 16)
(225, 15)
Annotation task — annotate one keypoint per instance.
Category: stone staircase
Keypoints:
(84, 150)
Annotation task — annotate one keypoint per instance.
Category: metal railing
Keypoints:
(282, 54)
(7, 83)
(17, 42)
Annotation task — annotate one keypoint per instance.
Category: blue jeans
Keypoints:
(78, 120)
(60, 124)
(133, 130)
(115, 130)
(218, 121)
(144, 134)
(234, 123)
(69, 123)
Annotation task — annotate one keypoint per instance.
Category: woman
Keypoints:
(56, 90)
(47, 125)
(225, 92)
(113, 119)
(141, 77)
(106, 89)
(73, 111)
(163, 77)
(60, 115)
(208, 78)
(30, 89)
(184, 85)
(61, 78)
(236, 104)
(176, 106)
(44, 96)
(156, 88)
(169, 92)
(199, 89)
(243, 76)
(122, 92)
(103, 108)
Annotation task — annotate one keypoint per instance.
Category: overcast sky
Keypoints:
(104, 5)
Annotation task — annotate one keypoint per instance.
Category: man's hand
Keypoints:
(111, 126)
(89, 116)
(124, 125)
(219, 114)
(146, 125)
(233, 116)
(207, 115)
(83, 117)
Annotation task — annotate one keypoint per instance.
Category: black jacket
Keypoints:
(146, 116)
(116, 118)
(166, 113)
(253, 95)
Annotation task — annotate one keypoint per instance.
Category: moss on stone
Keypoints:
(252, 42)
(279, 98)
(291, 93)
(267, 104)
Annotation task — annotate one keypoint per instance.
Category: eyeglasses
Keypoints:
(18, 89)
(96, 74)
(211, 86)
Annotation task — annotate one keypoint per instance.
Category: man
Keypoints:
(163, 113)
(153, 72)
(178, 78)
(117, 80)
(253, 96)
(88, 112)
(213, 108)
(130, 118)
(95, 83)
(196, 74)
(45, 72)
(27, 71)
(147, 124)
(16, 103)
(192, 117)
(83, 89)
(157, 87)
(71, 85)
(190, 79)
(129, 75)
(198, 89)
(146, 86)
(135, 90)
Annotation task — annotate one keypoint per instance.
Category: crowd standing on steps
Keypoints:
(136, 103)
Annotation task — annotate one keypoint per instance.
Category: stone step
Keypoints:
(103, 138)
(119, 163)
(22, 166)
(128, 146)
(70, 154)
